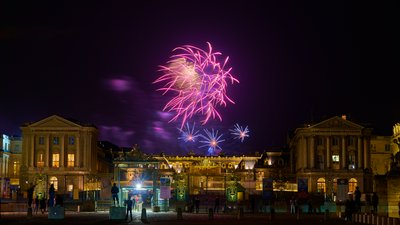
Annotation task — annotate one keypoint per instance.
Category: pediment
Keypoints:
(337, 122)
(54, 121)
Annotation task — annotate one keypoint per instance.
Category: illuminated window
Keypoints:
(16, 168)
(335, 158)
(352, 184)
(71, 160)
(41, 140)
(54, 181)
(40, 162)
(70, 187)
(71, 140)
(56, 160)
(56, 140)
(321, 185)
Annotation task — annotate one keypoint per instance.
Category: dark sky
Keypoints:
(297, 61)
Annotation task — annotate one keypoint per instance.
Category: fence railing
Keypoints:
(375, 219)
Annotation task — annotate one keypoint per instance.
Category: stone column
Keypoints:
(311, 152)
(31, 150)
(62, 151)
(359, 154)
(304, 152)
(366, 164)
(328, 153)
(47, 155)
(344, 152)
(78, 152)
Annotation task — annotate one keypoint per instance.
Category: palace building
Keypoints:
(65, 153)
(333, 149)
(330, 159)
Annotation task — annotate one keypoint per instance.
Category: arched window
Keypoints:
(321, 185)
(352, 184)
(54, 180)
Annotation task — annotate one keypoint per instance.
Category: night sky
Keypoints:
(297, 62)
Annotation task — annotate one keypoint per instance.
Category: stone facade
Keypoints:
(333, 149)
(66, 153)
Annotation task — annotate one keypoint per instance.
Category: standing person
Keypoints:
(197, 204)
(292, 205)
(37, 203)
(216, 205)
(43, 205)
(114, 193)
(357, 199)
(52, 192)
(375, 202)
(30, 195)
(129, 204)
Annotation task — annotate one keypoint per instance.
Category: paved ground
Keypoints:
(170, 218)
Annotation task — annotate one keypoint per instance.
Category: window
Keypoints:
(387, 148)
(351, 141)
(352, 184)
(71, 160)
(335, 141)
(70, 187)
(41, 140)
(54, 181)
(334, 185)
(335, 158)
(352, 160)
(320, 161)
(71, 140)
(40, 162)
(56, 140)
(321, 185)
(56, 160)
(320, 141)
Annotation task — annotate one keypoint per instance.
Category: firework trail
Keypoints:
(239, 132)
(212, 140)
(198, 81)
(188, 133)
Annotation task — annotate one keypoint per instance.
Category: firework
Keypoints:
(212, 140)
(239, 132)
(188, 133)
(198, 81)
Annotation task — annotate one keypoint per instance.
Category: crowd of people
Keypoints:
(353, 205)
(41, 202)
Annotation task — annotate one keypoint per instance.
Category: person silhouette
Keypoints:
(216, 204)
(129, 204)
(30, 195)
(357, 199)
(375, 202)
(52, 192)
(114, 193)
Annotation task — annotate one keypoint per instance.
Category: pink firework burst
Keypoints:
(198, 81)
